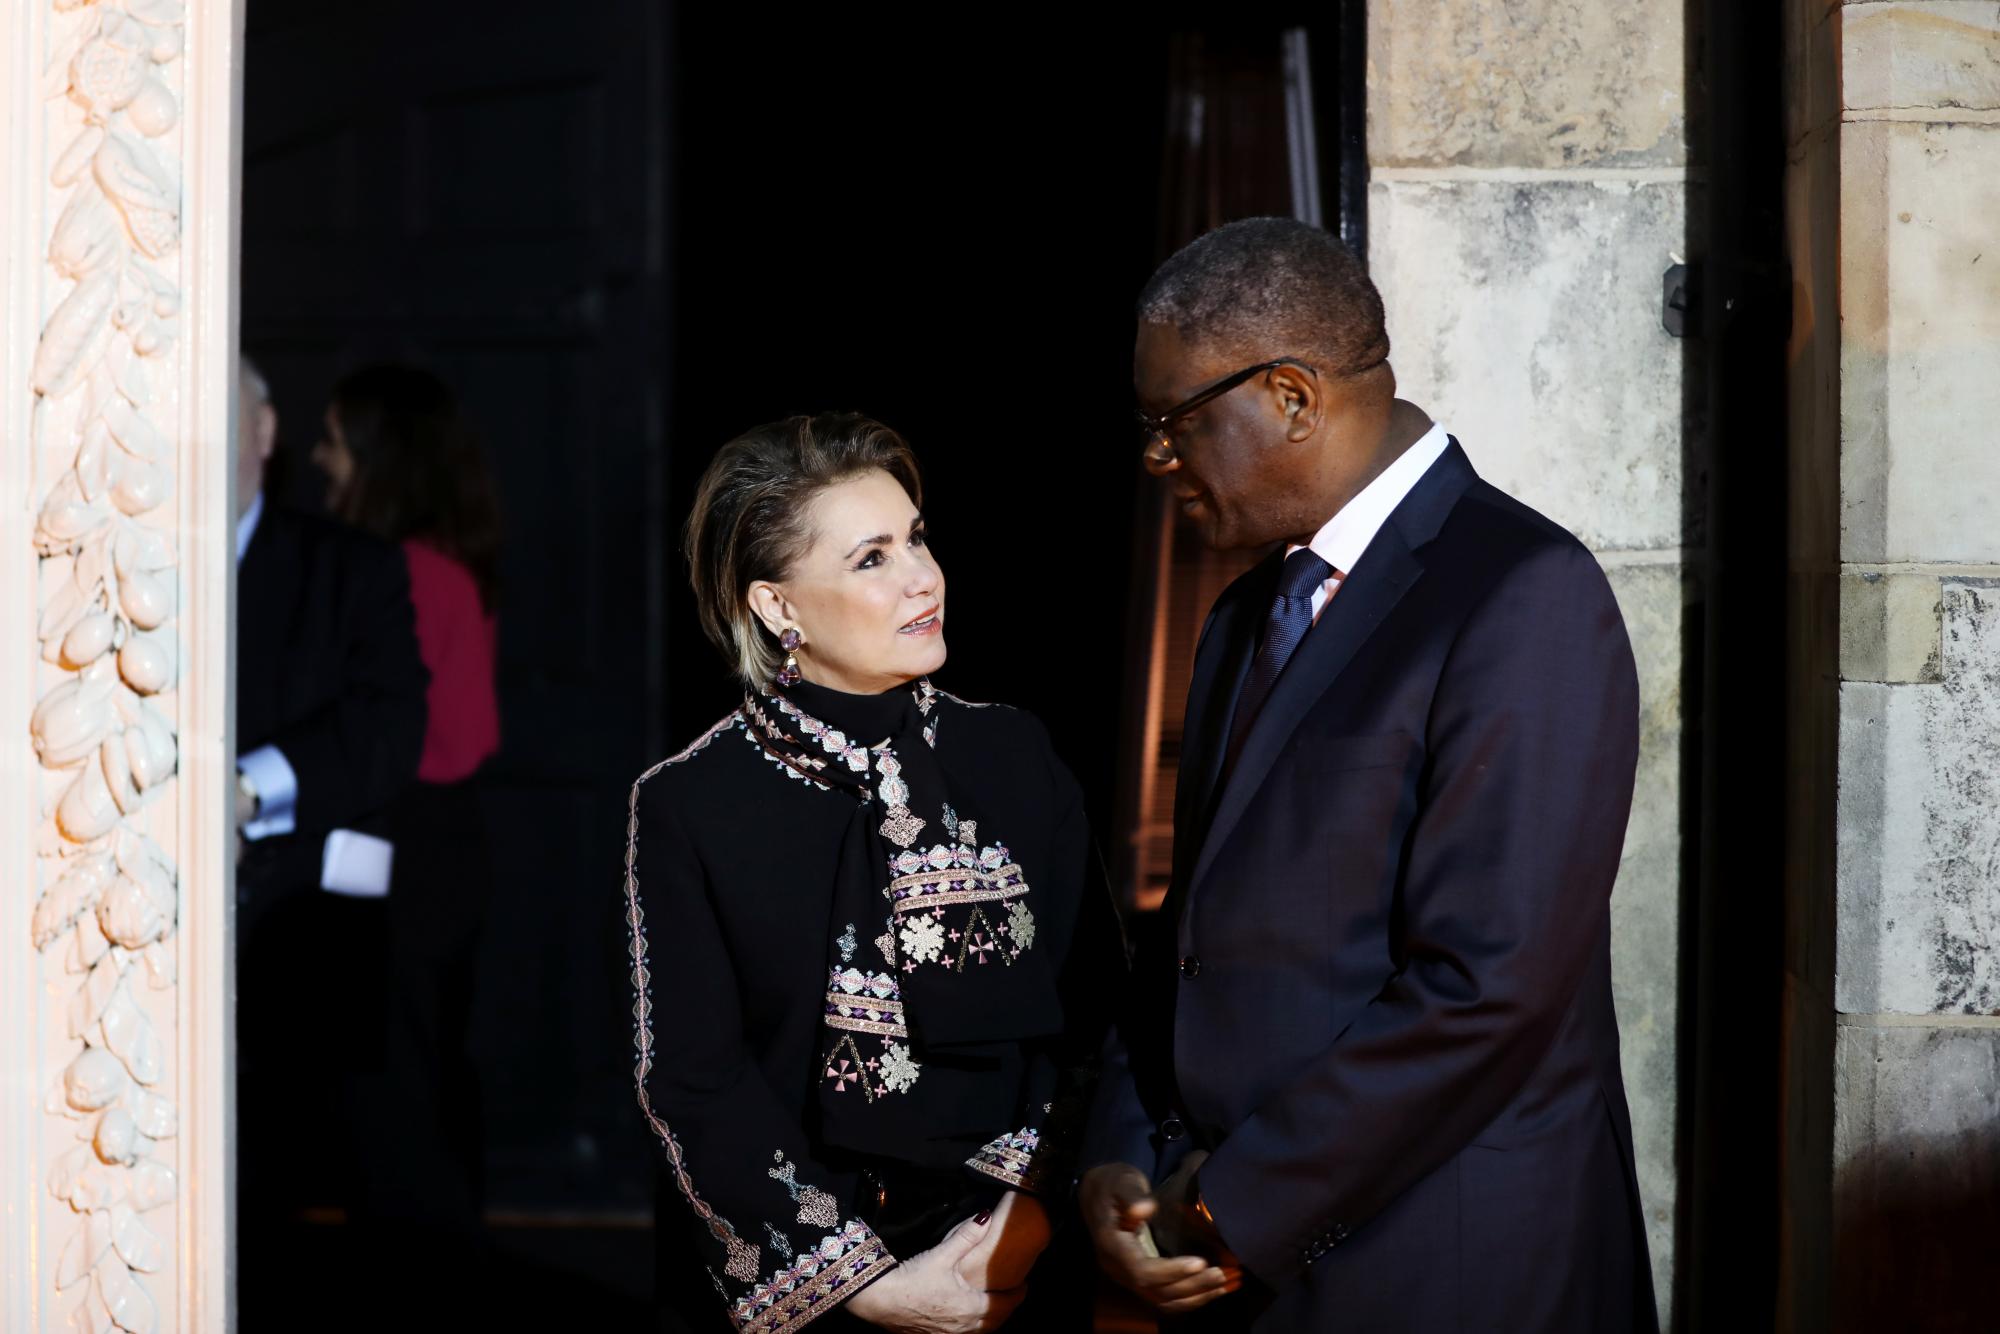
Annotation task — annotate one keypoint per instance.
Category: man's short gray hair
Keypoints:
(1271, 287)
(253, 379)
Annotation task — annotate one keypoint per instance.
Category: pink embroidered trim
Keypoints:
(818, 1281)
(1010, 1158)
(742, 1258)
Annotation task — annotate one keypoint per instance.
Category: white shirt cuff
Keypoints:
(277, 792)
(356, 864)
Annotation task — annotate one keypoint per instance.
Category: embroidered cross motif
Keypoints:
(843, 1067)
(846, 942)
(977, 940)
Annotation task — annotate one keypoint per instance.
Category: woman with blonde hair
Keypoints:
(872, 947)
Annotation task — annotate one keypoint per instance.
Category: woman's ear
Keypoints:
(768, 604)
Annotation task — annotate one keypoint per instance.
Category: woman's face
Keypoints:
(867, 597)
(332, 457)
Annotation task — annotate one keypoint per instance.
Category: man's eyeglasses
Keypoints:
(1156, 433)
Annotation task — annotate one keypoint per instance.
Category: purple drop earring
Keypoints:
(789, 641)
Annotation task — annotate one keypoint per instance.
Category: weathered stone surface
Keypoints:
(1645, 907)
(1891, 628)
(1920, 341)
(1526, 318)
(1559, 83)
(1919, 827)
(1940, 55)
(1916, 1189)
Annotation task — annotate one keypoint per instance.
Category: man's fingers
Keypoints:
(1209, 1281)
(1116, 1188)
(1150, 1276)
(1186, 1304)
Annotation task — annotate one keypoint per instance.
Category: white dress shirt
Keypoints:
(1348, 533)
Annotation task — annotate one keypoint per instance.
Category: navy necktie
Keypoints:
(1291, 616)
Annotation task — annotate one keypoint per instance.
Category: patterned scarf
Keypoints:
(933, 978)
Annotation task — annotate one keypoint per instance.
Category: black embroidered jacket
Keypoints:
(729, 877)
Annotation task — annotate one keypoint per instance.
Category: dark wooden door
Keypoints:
(477, 188)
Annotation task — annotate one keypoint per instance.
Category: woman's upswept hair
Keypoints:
(418, 470)
(749, 520)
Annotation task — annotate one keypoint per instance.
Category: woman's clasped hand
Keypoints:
(942, 1290)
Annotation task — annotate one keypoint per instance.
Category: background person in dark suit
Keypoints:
(329, 725)
(1374, 1069)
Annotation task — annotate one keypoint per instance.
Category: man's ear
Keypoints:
(1302, 400)
(768, 604)
(267, 430)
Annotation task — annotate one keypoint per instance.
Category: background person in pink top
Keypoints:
(401, 464)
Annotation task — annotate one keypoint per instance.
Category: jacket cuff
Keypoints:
(814, 1282)
(277, 792)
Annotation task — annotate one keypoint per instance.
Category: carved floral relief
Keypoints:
(102, 728)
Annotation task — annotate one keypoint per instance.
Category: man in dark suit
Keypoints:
(1370, 1079)
(329, 726)
(329, 688)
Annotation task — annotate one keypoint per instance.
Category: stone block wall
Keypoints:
(1529, 188)
(1895, 203)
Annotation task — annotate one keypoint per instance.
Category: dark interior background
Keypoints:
(624, 237)
(627, 230)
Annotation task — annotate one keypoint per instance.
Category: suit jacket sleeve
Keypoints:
(769, 1232)
(1083, 933)
(1121, 1127)
(357, 751)
(1532, 740)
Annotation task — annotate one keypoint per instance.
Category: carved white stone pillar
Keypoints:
(118, 145)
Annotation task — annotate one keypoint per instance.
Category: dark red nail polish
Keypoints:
(981, 1220)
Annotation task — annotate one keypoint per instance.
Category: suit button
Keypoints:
(1190, 966)
(1171, 1128)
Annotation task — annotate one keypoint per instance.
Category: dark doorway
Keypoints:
(477, 188)
(945, 232)
(624, 232)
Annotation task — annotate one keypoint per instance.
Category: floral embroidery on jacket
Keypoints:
(816, 1207)
(869, 1004)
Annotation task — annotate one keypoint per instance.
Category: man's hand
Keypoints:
(1117, 1204)
(1182, 1226)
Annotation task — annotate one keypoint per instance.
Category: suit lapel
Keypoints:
(1385, 572)
(1216, 681)
(265, 598)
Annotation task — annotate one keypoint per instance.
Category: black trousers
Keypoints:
(355, 1087)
